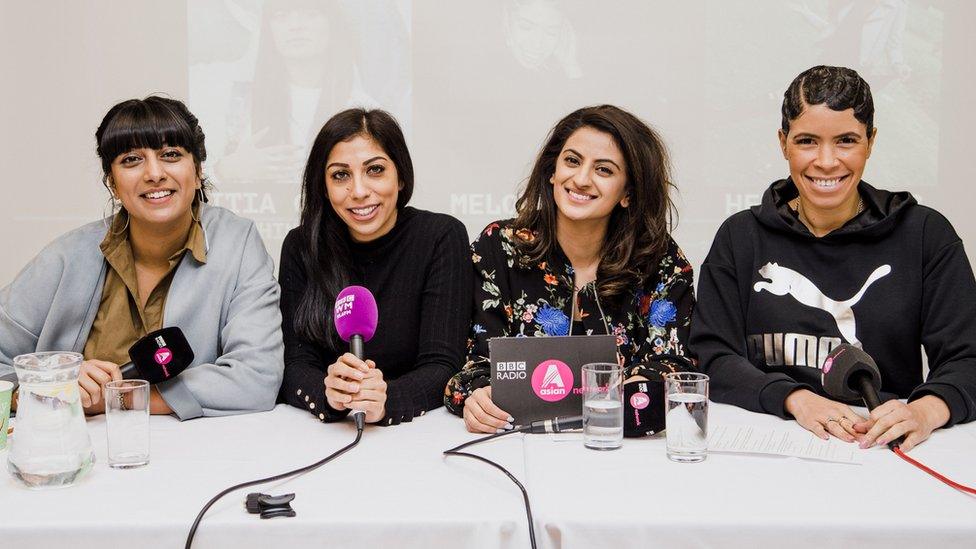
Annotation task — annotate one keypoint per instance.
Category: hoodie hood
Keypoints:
(882, 210)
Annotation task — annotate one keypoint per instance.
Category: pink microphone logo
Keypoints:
(163, 357)
(639, 401)
(552, 380)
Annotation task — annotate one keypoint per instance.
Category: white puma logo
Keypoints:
(784, 281)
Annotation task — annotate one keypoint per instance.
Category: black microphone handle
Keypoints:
(862, 383)
(129, 370)
(356, 346)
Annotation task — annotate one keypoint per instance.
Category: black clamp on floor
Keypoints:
(270, 506)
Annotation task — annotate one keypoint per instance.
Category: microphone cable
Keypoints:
(360, 419)
(555, 425)
(962, 488)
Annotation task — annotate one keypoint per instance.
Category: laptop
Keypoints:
(535, 378)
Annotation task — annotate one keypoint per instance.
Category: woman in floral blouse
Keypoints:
(589, 253)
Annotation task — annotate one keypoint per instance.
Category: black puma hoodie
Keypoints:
(773, 300)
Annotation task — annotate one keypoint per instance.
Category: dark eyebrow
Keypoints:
(375, 158)
(804, 136)
(849, 134)
(339, 164)
(598, 160)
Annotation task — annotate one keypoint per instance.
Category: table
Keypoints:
(396, 490)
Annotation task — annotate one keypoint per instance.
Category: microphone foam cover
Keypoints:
(161, 355)
(644, 401)
(355, 313)
(842, 363)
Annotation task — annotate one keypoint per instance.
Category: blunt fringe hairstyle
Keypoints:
(154, 122)
(637, 236)
(839, 88)
(324, 252)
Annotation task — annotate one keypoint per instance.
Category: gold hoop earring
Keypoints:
(124, 227)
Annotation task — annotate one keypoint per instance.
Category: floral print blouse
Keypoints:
(512, 299)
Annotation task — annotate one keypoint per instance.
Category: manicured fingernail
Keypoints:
(882, 442)
(511, 419)
(499, 430)
(864, 445)
(508, 427)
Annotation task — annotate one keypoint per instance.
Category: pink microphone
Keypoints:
(355, 317)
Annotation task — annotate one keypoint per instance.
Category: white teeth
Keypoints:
(364, 211)
(578, 196)
(826, 183)
(158, 194)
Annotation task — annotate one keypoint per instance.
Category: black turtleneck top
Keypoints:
(420, 274)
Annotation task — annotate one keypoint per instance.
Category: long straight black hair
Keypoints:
(324, 253)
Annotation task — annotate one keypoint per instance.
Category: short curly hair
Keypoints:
(839, 88)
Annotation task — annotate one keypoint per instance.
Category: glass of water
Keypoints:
(603, 406)
(127, 423)
(687, 416)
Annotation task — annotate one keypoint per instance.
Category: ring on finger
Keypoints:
(829, 419)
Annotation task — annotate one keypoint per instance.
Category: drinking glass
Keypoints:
(603, 406)
(127, 423)
(687, 416)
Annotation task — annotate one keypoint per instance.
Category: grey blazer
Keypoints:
(227, 308)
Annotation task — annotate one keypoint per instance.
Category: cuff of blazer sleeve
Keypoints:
(179, 399)
(772, 397)
(958, 407)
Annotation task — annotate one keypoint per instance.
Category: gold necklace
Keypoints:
(799, 210)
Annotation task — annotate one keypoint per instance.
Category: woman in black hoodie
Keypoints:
(828, 259)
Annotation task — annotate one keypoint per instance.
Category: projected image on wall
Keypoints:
(286, 66)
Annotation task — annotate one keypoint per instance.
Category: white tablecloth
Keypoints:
(396, 490)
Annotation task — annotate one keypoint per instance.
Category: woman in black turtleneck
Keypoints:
(356, 229)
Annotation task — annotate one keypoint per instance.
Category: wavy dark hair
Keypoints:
(152, 123)
(839, 88)
(637, 236)
(324, 236)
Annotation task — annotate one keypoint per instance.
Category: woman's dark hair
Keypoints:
(324, 236)
(839, 88)
(153, 123)
(637, 235)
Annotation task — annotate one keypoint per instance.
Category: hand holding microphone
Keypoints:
(850, 373)
(160, 355)
(92, 376)
(912, 423)
(352, 382)
(356, 384)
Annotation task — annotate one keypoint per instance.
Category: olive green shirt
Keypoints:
(121, 319)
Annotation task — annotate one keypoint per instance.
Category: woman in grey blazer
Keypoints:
(165, 258)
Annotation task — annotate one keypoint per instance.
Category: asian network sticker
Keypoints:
(552, 380)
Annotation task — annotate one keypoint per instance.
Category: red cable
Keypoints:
(955, 485)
